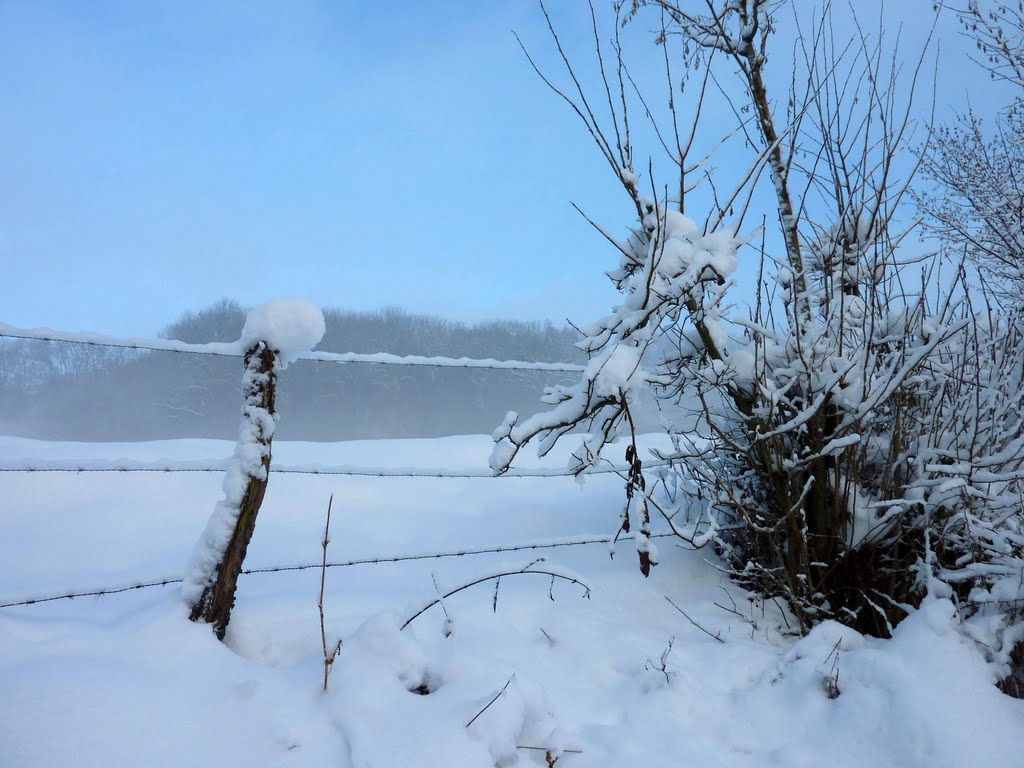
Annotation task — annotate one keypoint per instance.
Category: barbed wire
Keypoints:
(92, 593)
(383, 472)
(103, 591)
(234, 349)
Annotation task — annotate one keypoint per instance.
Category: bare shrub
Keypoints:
(856, 444)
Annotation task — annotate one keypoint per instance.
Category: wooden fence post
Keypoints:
(245, 487)
(275, 334)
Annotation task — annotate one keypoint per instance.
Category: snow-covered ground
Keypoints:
(127, 680)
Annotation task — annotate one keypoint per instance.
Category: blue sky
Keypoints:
(157, 156)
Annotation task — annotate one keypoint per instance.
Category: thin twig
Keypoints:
(448, 621)
(730, 610)
(482, 579)
(329, 657)
(698, 626)
(491, 701)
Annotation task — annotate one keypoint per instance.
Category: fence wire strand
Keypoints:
(234, 349)
(101, 592)
(382, 472)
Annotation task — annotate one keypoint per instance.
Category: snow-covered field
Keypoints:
(127, 680)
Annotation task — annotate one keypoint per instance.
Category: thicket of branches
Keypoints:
(861, 444)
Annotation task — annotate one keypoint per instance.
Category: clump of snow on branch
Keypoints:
(288, 326)
(668, 262)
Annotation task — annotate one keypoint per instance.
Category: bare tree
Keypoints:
(997, 28)
(977, 204)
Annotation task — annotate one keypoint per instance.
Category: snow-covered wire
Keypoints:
(234, 349)
(120, 465)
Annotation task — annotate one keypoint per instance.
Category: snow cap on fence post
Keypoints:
(275, 333)
(288, 326)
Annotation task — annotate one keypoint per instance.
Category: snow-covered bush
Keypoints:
(859, 443)
(975, 206)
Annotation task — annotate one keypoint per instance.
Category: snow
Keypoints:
(128, 680)
(289, 326)
(21, 454)
(617, 372)
(384, 358)
(235, 349)
(252, 451)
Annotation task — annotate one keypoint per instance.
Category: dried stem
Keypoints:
(329, 656)
(527, 570)
(488, 704)
(717, 637)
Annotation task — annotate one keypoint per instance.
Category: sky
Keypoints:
(157, 156)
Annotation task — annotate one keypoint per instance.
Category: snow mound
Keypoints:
(289, 326)
(621, 679)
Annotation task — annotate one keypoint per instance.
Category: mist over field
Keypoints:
(65, 391)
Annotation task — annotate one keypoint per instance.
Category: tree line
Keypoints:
(63, 391)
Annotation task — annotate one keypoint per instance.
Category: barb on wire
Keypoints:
(92, 593)
(80, 466)
(343, 564)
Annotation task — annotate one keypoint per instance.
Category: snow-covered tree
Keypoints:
(976, 205)
(857, 446)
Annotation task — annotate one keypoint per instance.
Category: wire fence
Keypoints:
(469, 552)
(81, 466)
(234, 349)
